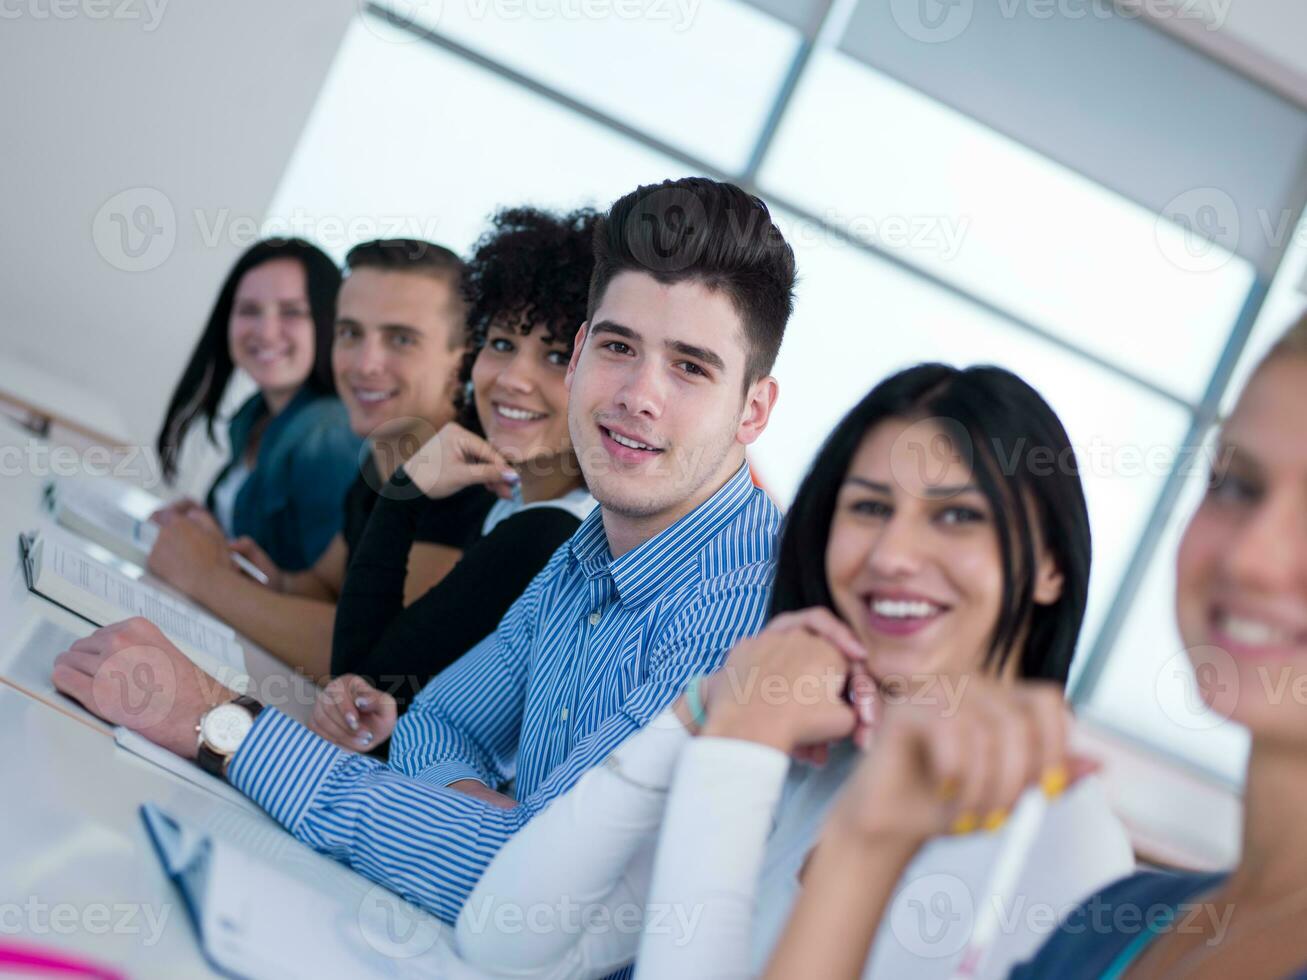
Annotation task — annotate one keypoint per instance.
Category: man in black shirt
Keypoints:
(400, 340)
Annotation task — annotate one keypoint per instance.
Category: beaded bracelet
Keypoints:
(694, 700)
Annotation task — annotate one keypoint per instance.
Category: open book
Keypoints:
(114, 515)
(102, 595)
(266, 906)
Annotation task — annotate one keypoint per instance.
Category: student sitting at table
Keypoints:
(925, 553)
(292, 452)
(525, 288)
(1241, 607)
(399, 342)
(669, 382)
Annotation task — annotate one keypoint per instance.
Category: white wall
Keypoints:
(200, 102)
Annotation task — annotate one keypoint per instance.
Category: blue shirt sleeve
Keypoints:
(399, 825)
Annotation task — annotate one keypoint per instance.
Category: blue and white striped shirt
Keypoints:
(593, 650)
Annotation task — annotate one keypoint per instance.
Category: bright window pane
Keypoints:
(1285, 302)
(858, 319)
(698, 74)
(406, 140)
(977, 209)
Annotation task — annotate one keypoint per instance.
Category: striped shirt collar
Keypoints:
(650, 568)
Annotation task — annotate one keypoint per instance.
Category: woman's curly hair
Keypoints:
(531, 269)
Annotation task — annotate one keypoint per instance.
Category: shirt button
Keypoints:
(563, 715)
(594, 618)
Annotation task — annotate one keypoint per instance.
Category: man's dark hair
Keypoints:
(530, 271)
(420, 258)
(711, 232)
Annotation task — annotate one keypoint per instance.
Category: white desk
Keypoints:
(72, 844)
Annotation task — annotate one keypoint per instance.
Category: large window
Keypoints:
(921, 233)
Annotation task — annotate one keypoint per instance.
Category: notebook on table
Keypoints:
(265, 906)
(113, 515)
(102, 595)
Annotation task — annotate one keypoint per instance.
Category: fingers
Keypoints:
(165, 515)
(360, 694)
(1013, 739)
(178, 508)
(71, 681)
(1051, 721)
(203, 519)
(864, 696)
(824, 623)
(328, 725)
(1017, 759)
(80, 660)
(499, 480)
(333, 716)
(473, 449)
(374, 712)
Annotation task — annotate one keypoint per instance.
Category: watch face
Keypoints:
(225, 727)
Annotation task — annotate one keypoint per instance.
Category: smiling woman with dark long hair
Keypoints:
(293, 455)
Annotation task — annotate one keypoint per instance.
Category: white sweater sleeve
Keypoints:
(715, 829)
(565, 897)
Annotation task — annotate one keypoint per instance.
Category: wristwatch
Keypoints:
(221, 731)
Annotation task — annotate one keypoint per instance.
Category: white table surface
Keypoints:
(77, 870)
(74, 845)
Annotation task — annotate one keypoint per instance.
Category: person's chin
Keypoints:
(274, 378)
(626, 495)
(378, 424)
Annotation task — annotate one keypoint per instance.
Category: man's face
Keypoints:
(656, 410)
(394, 367)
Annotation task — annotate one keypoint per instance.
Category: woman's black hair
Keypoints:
(203, 382)
(1021, 460)
(531, 269)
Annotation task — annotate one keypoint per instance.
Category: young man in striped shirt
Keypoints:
(669, 382)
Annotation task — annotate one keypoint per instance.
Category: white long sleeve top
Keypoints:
(684, 855)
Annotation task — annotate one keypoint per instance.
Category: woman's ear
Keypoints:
(1049, 580)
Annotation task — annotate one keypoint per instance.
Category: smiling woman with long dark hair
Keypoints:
(293, 455)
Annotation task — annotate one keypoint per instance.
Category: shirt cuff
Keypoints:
(281, 765)
(448, 773)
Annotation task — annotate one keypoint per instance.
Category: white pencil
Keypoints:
(249, 568)
(1021, 831)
